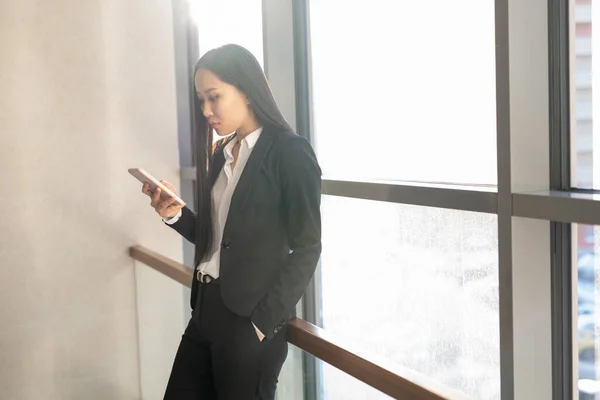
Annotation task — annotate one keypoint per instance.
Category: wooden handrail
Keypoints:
(162, 264)
(395, 381)
(389, 378)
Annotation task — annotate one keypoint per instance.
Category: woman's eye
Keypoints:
(213, 98)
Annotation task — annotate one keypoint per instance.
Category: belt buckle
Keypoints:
(201, 277)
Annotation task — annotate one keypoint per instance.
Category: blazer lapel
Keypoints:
(261, 148)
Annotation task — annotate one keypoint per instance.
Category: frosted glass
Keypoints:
(415, 285)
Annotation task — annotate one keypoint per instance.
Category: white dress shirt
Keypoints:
(222, 193)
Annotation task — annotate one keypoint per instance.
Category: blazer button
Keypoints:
(225, 245)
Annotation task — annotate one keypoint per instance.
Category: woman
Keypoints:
(257, 233)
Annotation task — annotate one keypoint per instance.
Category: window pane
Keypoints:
(229, 21)
(339, 385)
(416, 285)
(344, 386)
(413, 80)
(291, 379)
(586, 243)
(584, 139)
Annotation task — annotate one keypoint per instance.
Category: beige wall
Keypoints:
(86, 91)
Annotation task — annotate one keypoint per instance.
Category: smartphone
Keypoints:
(144, 177)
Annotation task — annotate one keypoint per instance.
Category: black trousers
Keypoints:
(221, 358)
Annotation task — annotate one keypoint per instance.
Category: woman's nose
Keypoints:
(206, 110)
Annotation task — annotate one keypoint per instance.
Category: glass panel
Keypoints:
(333, 383)
(416, 285)
(586, 244)
(339, 385)
(291, 379)
(229, 21)
(413, 80)
(585, 168)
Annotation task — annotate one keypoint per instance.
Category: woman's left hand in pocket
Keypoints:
(258, 333)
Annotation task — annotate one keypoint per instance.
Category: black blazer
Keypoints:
(272, 238)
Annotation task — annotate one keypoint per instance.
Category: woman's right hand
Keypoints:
(166, 208)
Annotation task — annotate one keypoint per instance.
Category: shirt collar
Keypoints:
(250, 140)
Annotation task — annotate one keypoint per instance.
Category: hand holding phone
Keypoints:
(164, 197)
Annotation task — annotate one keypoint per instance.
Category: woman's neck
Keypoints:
(248, 128)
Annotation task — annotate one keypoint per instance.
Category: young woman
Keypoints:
(257, 233)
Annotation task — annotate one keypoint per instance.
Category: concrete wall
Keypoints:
(87, 89)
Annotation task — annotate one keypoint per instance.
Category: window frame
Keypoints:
(510, 132)
(559, 65)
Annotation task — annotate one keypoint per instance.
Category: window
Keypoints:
(394, 100)
(586, 242)
(291, 379)
(415, 285)
(339, 385)
(229, 21)
(585, 174)
(584, 165)
(404, 101)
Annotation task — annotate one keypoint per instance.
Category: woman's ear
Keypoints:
(247, 100)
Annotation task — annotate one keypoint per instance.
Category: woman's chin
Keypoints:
(220, 132)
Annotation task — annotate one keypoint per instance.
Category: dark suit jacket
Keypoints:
(272, 238)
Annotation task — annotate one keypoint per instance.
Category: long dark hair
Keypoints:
(235, 65)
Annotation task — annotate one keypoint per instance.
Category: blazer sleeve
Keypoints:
(186, 225)
(301, 190)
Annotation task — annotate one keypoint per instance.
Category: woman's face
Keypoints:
(225, 107)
